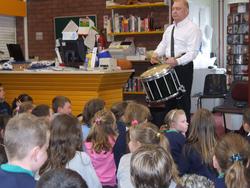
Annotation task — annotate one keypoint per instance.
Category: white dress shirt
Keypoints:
(187, 39)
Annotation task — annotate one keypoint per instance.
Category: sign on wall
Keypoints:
(61, 22)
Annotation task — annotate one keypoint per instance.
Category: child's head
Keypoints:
(65, 140)
(61, 178)
(202, 134)
(146, 133)
(90, 108)
(61, 104)
(2, 92)
(136, 113)
(4, 118)
(26, 140)
(20, 99)
(151, 167)
(176, 119)
(232, 157)
(103, 128)
(194, 180)
(246, 120)
(43, 110)
(26, 107)
(119, 109)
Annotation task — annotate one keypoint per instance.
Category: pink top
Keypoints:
(104, 164)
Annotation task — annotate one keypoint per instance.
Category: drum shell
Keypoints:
(161, 86)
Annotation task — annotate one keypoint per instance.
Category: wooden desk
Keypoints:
(78, 86)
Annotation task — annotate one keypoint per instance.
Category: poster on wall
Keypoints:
(84, 22)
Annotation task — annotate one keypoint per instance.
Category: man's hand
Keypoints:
(154, 58)
(172, 62)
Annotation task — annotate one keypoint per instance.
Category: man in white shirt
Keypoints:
(187, 41)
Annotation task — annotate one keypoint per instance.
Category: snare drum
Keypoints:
(161, 83)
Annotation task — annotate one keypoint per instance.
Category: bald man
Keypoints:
(187, 41)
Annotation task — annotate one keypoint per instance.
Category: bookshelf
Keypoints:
(137, 33)
(133, 22)
(238, 41)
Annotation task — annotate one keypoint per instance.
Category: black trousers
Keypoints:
(185, 75)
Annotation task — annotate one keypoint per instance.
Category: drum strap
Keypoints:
(172, 43)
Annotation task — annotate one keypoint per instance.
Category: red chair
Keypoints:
(236, 100)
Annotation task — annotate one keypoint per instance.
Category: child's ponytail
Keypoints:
(235, 175)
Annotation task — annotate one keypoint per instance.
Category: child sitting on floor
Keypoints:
(26, 141)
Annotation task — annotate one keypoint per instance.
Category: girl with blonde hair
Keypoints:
(175, 129)
(232, 161)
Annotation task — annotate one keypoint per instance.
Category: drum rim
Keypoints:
(166, 98)
(157, 75)
(163, 71)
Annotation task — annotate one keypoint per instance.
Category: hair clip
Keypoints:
(134, 122)
(98, 121)
(236, 157)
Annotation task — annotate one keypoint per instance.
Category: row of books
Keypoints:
(238, 29)
(134, 84)
(237, 69)
(238, 59)
(237, 18)
(237, 49)
(237, 39)
(132, 23)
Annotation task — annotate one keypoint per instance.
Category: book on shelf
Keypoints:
(134, 84)
(132, 23)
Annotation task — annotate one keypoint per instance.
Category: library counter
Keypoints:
(78, 86)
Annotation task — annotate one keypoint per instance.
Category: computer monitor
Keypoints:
(16, 52)
(73, 52)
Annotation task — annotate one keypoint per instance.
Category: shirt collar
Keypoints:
(182, 23)
(248, 134)
(13, 168)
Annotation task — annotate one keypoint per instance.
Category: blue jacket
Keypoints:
(176, 142)
(191, 163)
(120, 146)
(16, 177)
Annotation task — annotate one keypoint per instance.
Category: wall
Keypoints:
(41, 13)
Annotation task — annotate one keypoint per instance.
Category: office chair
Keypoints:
(215, 86)
(236, 100)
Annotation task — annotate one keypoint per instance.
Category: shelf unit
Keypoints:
(137, 33)
(237, 41)
(141, 5)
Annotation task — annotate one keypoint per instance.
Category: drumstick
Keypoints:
(163, 59)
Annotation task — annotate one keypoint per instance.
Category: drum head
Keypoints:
(156, 70)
